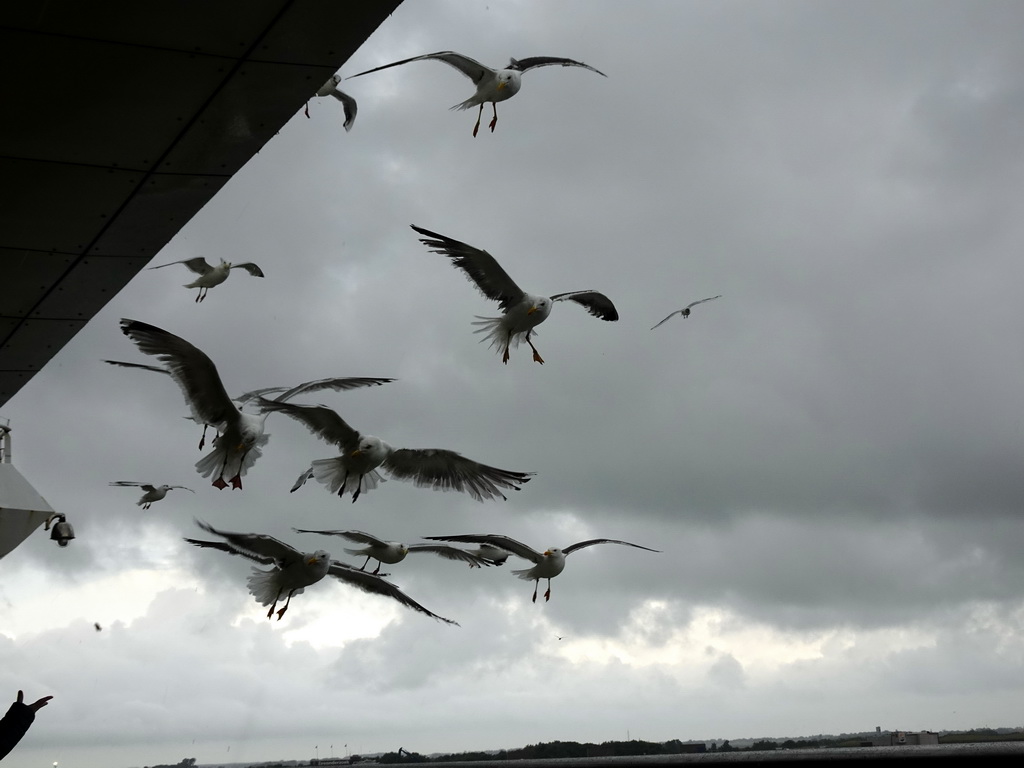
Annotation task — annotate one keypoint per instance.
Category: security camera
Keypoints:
(62, 531)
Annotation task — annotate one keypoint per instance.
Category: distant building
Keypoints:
(689, 747)
(903, 738)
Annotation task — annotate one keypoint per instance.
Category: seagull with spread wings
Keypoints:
(355, 470)
(685, 311)
(241, 434)
(522, 311)
(336, 383)
(210, 275)
(151, 492)
(292, 571)
(330, 88)
(548, 563)
(492, 85)
(391, 552)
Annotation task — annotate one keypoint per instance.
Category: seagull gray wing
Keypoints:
(357, 536)
(549, 61)
(688, 306)
(445, 470)
(595, 303)
(591, 542)
(131, 484)
(255, 546)
(190, 368)
(701, 301)
(378, 586)
(182, 487)
(338, 384)
(249, 267)
(319, 419)
(471, 68)
(198, 265)
(667, 318)
(350, 107)
(223, 546)
(479, 266)
(143, 366)
(495, 540)
(450, 553)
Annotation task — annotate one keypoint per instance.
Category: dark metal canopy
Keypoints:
(121, 119)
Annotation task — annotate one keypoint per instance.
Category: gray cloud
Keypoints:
(828, 455)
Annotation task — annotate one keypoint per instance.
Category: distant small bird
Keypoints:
(97, 626)
(152, 492)
(392, 552)
(293, 571)
(522, 311)
(549, 563)
(210, 276)
(355, 470)
(492, 85)
(685, 311)
(330, 88)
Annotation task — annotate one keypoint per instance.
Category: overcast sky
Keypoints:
(830, 456)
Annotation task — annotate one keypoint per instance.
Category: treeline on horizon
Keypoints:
(556, 749)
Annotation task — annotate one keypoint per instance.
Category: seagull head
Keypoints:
(541, 305)
(318, 557)
(373, 448)
(250, 427)
(508, 84)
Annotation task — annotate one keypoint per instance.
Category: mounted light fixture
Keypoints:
(22, 509)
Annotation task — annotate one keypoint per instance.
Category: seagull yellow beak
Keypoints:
(356, 452)
(547, 553)
(501, 85)
(312, 561)
(531, 310)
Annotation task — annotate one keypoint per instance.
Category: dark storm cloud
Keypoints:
(828, 455)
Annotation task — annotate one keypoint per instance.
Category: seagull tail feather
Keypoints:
(496, 335)
(333, 474)
(264, 587)
(526, 574)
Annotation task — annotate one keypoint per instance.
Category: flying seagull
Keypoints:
(151, 492)
(241, 436)
(392, 552)
(355, 470)
(210, 276)
(549, 563)
(337, 383)
(685, 311)
(522, 311)
(292, 571)
(330, 88)
(492, 85)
